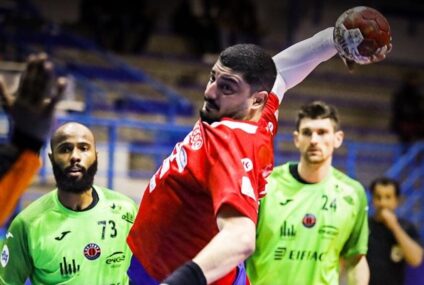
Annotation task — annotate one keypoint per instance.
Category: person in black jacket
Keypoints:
(393, 241)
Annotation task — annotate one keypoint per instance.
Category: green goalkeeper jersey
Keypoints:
(304, 229)
(51, 244)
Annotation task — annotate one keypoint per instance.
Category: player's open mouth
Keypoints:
(210, 107)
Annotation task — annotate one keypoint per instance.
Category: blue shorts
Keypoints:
(139, 276)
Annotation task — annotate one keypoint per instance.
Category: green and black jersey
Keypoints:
(51, 244)
(304, 229)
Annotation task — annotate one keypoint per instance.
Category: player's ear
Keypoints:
(338, 138)
(259, 99)
(296, 138)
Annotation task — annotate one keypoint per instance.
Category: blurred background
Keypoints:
(137, 71)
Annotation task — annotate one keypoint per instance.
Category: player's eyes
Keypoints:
(84, 147)
(65, 149)
(226, 88)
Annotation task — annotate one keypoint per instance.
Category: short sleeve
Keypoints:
(231, 176)
(269, 116)
(357, 244)
(16, 264)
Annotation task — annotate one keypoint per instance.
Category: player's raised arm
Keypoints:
(31, 114)
(361, 35)
(296, 62)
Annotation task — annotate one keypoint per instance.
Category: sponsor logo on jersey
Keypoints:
(287, 231)
(152, 183)
(298, 254)
(286, 202)
(128, 217)
(196, 140)
(115, 259)
(115, 208)
(92, 251)
(62, 235)
(247, 164)
(67, 269)
(271, 126)
(309, 220)
(328, 231)
(181, 158)
(4, 256)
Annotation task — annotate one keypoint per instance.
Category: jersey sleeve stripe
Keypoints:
(248, 128)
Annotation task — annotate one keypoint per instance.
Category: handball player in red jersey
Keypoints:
(197, 218)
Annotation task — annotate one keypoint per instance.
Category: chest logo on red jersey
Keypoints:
(92, 251)
(196, 140)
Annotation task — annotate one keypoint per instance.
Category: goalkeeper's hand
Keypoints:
(32, 109)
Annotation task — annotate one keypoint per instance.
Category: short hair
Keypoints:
(253, 63)
(385, 181)
(318, 110)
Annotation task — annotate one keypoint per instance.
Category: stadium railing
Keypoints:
(165, 135)
(409, 169)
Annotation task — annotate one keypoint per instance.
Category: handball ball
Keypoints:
(362, 34)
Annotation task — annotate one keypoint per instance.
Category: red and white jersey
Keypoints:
(222, 163)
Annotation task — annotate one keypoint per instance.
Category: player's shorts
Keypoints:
(139, 276)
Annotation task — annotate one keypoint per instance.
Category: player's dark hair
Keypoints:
(385, 181)
(318, 110)
(253, 62)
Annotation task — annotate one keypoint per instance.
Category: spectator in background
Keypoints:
(194, 20)
(393, 241)
(237, 20)
(114, 19)
(408, 111)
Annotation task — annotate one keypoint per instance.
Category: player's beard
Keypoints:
(205, 118)
(72, 184)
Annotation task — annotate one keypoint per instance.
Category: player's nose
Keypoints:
(75, 155)
(210, 92)
(314, 137)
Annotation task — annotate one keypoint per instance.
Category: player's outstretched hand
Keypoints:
(31, 110)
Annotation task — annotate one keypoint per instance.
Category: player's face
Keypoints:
(384, 197)
(316, 140)
(74, 158)
(227, 94)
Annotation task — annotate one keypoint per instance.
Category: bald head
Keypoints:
(73, 157)
(69, 131)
